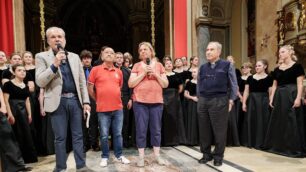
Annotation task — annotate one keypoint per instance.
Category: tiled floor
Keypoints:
(182, 158)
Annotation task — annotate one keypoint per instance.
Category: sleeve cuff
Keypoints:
(53, 68)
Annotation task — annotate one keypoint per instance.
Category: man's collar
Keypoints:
(108, 68)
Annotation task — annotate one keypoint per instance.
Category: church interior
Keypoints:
(247, 29)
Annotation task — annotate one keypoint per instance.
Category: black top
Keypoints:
(125, 89)
(16, 92)
(1, 71)
(174, 81)
(241, 84)
(289, 75)
(8, 75)
(261, 85)
(191, 88)
(183, 75)
(32, 73)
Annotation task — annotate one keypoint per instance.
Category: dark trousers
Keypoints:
(68, 112)
(213, 120)
(126, 121)
(148, 115)
(91, 134)
(11, 159)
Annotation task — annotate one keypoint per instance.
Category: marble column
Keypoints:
(203, 40)
(19, 33)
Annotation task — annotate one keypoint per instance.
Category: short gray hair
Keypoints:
(217, 44)
(50, 29)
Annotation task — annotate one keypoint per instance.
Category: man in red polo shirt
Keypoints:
(107, 80)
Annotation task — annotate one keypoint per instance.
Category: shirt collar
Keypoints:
(106, 67)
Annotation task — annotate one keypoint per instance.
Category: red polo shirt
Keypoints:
(107, 82)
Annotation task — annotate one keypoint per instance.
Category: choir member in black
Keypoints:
(191, 121)
(128, 60)
(36, 125)
(126, 97)
(256, 106)
(3, 65)
(173, 130)
(8, 73)
(16, 97)
(232, 127)
(185, 63)
(246, 69)
(91, 134)
(10, 155)
(285, 135)
(194, 64)
(179, 69)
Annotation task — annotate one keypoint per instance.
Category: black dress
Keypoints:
(173, 130)
(21, 127)
(257, 116)
(285, 134)
(191, 121)
(232, 138)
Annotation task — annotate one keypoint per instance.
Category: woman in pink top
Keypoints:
(148, 79)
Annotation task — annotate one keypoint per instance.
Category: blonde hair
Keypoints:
(247, 64)
(290, 48)
(148, 44)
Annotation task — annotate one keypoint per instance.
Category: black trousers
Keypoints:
(11, 158)
(126, 121)
(91, 134)
(213, 120)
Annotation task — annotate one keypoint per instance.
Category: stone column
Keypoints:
(203, 40)
(19, 34)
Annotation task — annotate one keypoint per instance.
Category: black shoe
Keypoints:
(205, 159)
(217, 162)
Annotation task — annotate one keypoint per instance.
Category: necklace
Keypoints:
(18, 84)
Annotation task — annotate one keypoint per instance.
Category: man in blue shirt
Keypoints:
(216, 78)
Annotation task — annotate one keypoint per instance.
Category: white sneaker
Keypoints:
(103, 162)
(123, 160)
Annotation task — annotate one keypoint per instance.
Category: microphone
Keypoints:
(59, 47)
(148, 61)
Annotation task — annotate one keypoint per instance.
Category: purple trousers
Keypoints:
(148, 115)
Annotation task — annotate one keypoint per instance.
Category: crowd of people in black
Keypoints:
(266, 115)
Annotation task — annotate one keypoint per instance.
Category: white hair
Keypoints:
(52, 29)
(217, 44)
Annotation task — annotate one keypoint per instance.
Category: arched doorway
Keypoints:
(91, 24)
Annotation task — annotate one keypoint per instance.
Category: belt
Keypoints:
(68, 95)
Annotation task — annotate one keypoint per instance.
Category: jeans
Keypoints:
(105, 120)
(69, 110)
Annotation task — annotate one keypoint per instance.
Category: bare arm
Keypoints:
(297, 101)
(4, 80)
(41, 102)
(162, 80)
(91, 91)
(31, 86)
(28, 107)
(3, 106)
(135, 80)
(245, 97)
(180, 88)
(188, 96)
(273, 89)
(10, 116)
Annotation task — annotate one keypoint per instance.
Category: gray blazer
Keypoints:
(52, 82)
